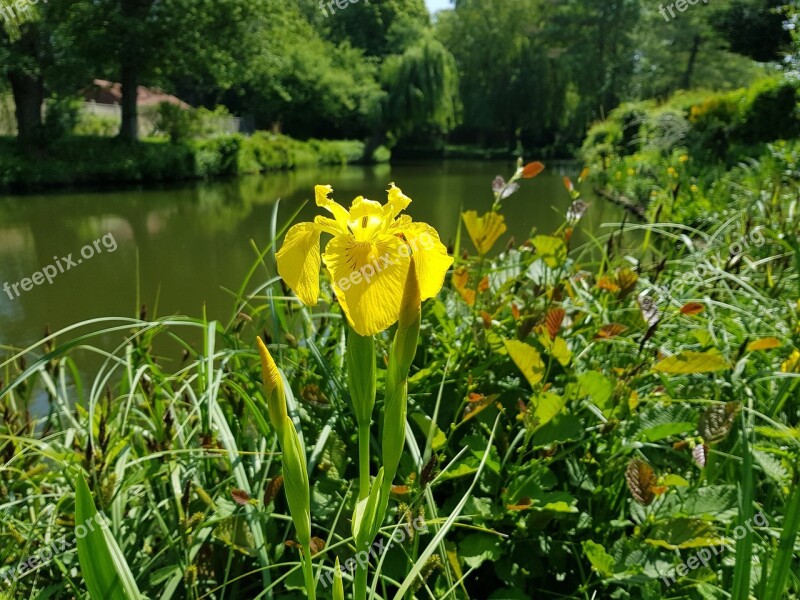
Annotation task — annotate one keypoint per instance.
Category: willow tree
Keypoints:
(422, 91)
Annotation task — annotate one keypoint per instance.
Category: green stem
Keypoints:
(363, 460)
(360, 583)
(308, 571)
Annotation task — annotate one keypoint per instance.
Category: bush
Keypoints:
(97, 159)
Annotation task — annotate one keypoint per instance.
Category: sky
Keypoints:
(434, 5)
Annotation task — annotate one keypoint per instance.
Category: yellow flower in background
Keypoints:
(484, 231)
(631, 172)
(684, 158)
(791, 364)
(367, 259)
(695, 189)
(672, 172)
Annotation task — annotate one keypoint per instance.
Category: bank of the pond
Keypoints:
(87, 160)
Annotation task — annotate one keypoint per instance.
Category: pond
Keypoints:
(182, 248)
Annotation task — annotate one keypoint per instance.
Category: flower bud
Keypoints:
(273, 389)
(295, 483)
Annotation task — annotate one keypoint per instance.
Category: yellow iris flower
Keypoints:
(367, 259)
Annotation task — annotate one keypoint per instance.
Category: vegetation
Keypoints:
(102, 160)
(592, 412)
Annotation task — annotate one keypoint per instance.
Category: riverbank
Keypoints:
(89, 160)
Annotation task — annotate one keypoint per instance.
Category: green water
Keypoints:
(180, 249)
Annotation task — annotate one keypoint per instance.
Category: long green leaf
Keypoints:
(103, 565)
(781, 566)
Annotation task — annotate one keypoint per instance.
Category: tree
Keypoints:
(147, 41)
(422, 91)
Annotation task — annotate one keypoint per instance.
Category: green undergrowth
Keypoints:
(87, 160)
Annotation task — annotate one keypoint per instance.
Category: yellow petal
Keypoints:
(484, 230)
(430, 256)
(339, 212)
(367, 219)
(298, 261)
(398, 201)
(368, 279)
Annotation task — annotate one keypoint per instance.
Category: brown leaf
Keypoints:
(273, 487)
(553, 320)
(692, 308)
(487, 319)
(641, 480)
(401, 490)
(317, 545)
(515, 311)
(568, 184)
(484, 284)
(531, 170)
(716, 422)
(609, 331)
(241, 497)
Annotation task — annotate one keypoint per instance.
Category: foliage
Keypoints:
(92, 160)
(582, 411)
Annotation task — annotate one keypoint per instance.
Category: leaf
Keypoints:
(609, 331)
(553, 320)
(607, 283)
(716, 422)
(498, 184)
(700, 455)
(768, 343)
(317, 545)
(474, 408)
(102, 563)
(273, 487)
(424, 423)
(692, 308)
(598, 387)
(552, 249)
(626, 280)
(241, 497)
(484, 231)
(681, 534)
(533, 169)
(460, 278)
(602, 561)
(649, 309)
(641, 479)
(692, 362)
(675, 480)
(527, 359)
(476, 548)
(544, 408)
(511, 188)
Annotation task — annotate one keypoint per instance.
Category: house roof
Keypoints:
(109, 92)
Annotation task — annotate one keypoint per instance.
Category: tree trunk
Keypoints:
(687, 76)
(28, 92)
(129, 130)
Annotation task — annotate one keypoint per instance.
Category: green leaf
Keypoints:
(424, 423)
(527, 359)
(102, 563)
(661, 432)
(552, 250)
(479, 547)
(543, 409)
(598, 387)
(692, 362)
(602, 561)
(680, 534)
